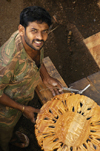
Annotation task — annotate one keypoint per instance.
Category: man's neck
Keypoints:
(33, 53)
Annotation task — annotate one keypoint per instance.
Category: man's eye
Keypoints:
(45, 31)
(34, 30)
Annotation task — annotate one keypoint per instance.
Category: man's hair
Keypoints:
(34, 13)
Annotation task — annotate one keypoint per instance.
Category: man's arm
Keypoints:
(7, 101)
(53, 84)
(28, 111)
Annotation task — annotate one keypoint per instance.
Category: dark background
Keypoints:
(72, 60)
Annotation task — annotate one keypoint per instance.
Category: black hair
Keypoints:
(34, 13)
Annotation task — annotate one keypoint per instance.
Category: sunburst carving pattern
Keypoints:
(69, 122)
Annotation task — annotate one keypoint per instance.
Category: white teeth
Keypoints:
(38, 42)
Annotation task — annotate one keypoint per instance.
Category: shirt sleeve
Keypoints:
(5, 78)
(6, 64)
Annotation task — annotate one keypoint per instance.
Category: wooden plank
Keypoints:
(93, 45)
(42, 91)
(95, 79)
(80, 84)
(52, 70)
(92, 91)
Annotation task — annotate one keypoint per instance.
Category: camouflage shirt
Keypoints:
(19, 76)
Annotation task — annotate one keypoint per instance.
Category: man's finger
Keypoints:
(53, 92)
(57, 92)
(36, 110)
(61, 90)
(33, 120)
(59, 85)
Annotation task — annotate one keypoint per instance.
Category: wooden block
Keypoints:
(95, 80)
(93, 45)
(91, 91)
(52, 70)
(80, 84)
(43, 92)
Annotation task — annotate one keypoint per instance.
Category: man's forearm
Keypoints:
(7, 101)
(28, 111)
(43, 72)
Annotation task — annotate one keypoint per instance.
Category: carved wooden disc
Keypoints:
(69, 122)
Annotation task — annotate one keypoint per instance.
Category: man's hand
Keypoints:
(29, 113)
(28, 110)
(54, 85)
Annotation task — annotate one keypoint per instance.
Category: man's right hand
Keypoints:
(28, 110)
(29, 113)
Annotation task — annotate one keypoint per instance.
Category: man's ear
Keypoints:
(21, 30)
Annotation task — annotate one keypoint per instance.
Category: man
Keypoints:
(20, 70)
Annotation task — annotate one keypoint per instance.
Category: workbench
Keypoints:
(93, 91)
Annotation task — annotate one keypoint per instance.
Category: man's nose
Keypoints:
(39, 36)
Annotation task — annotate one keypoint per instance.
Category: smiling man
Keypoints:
(21, 68)
(35, 35)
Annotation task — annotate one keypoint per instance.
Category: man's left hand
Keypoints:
(54, 85)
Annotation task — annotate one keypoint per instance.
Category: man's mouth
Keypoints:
(38, 43)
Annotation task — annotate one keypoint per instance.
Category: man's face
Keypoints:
(36, 34)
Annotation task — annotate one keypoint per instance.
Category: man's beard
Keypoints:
(30, 45)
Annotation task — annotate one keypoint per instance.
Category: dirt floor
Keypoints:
(72, 59)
